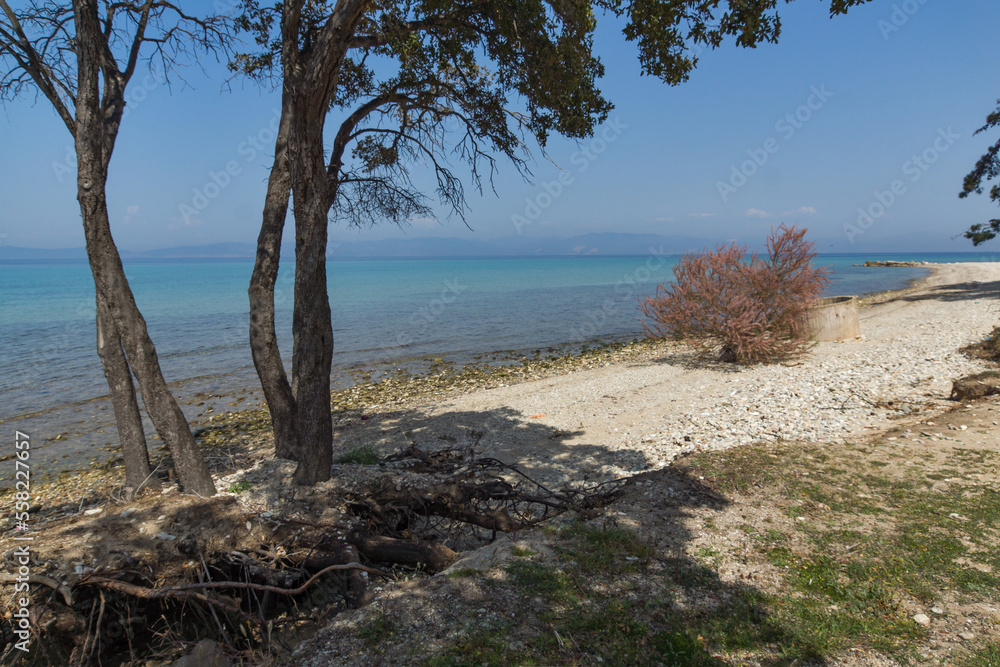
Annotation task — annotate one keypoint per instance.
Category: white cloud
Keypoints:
(424, 223)
(701, 215)
(756, 213)
(131, 213)
(802, 210)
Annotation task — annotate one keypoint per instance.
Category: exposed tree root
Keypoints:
(417, 511)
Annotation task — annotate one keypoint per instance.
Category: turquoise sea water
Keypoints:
(384, 311)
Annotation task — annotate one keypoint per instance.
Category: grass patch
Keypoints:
(482, 647)
(987, 656)
(605, 548)
(848, 584)
(536, 580)
(365, 456)
(740, 471)
(877, 539)
(464, 573)
(377, 628)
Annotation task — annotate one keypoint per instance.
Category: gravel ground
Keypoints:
(598, 424)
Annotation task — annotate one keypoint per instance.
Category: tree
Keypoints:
(753, 307)
(81, 56)
(987, 168)
(418, 80)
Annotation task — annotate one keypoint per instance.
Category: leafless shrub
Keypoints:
(753, 307)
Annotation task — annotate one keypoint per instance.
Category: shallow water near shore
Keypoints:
(387, 314)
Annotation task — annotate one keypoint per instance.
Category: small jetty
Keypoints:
(890, 262)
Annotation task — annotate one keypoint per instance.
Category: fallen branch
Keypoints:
(161, 593)
(62, 589)
(168, 591)
(464, 502)
(434, 556)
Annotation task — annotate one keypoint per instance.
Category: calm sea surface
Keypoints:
(384, 312)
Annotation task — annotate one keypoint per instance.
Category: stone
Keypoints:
(922, 619)
(967, 635)
(206, 653)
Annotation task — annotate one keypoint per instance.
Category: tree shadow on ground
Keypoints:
(692, 360)
(970, 291)
(623, 586)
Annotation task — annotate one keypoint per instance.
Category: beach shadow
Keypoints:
(690, 360)
(970, 291)
(684, 601)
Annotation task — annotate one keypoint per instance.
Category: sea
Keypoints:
(387, 313)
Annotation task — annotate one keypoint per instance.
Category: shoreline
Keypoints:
(393, 384)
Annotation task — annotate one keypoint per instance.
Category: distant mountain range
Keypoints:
(595, 245)
(602, 244)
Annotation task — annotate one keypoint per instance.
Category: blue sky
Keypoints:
(867, 118)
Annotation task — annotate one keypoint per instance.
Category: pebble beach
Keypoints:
(623, 417)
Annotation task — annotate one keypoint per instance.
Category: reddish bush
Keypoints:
(753, 307)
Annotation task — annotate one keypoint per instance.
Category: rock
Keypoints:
(93, 510)
(966, 635)
(889, 263)
(976, 386)
(922, 619)
(937, 610)
(484, 558)
(188, 546)
(206, 653)
(165, 536)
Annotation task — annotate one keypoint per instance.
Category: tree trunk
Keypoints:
(310, 78)
(312, 330)
(111, 283)
(123, 399)
(93, 141)
(263, 338)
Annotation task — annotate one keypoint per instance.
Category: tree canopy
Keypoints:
(987, 168)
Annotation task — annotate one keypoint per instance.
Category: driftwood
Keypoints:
(432, 555)
(463, 501)
(478, 491)
(976, 386)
